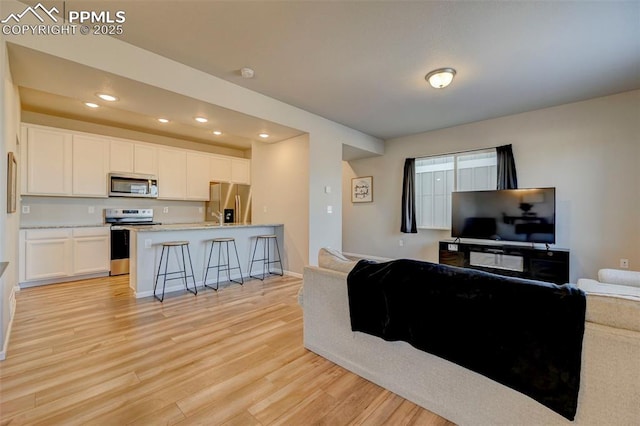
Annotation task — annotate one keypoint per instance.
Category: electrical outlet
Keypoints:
(91, 210)
(624, 263)
(401, 242)
(200, 209)
(329, 209)
(26, 209)
(147, 243)
(264, 209)
(165, 210)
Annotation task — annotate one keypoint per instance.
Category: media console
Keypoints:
(512, 260)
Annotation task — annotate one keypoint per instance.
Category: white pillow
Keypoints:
(620, 277)
(333, 259)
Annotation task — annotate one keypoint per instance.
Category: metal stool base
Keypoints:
(183, 272)
(223, 266)
(266, 257)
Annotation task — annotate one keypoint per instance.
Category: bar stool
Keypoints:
(181, 245)
(266, 256)
(224, 266)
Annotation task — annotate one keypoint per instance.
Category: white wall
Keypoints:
(280, 182)
(590, 151)
(9, 223)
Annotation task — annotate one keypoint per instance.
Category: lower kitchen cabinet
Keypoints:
(46, 254)
(51, 255)
(90, 250)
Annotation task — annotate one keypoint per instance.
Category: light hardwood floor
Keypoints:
(87, 352)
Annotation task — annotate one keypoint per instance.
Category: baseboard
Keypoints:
(293, 274)
(28, 284)
(12, 311)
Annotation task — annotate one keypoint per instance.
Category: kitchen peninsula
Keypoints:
(146, 242)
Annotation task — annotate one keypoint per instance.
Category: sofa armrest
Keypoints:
(620, 277)
(596, 287)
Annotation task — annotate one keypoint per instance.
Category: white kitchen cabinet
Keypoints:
(197, 176)
(121, 156)
(172, 174)
(145, 159)
(91, 250)
(90, 166)
(49, 162)
(61, 254)
(47, 254)
(240, 170)
(219, 169)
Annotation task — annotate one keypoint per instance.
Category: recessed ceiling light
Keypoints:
(201, 119)
(217, 132)
(163, 120)
(264, 135)
(91, 105)
(106, 97)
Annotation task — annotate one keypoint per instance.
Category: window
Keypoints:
(438, 176)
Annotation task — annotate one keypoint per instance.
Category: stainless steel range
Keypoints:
(118, 218)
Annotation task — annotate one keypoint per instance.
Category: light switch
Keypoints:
(147, 243)
(91, 209)
(165, 210)
(26, 209)
(327, 189)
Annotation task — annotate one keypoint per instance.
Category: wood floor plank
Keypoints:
(88, 352)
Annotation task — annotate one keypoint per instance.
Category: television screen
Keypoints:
(527, 215)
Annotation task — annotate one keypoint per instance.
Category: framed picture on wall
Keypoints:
(12, 179)
(362, 189)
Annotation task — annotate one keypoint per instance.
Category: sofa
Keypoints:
(609, 377)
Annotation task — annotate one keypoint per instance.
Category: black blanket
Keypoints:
(524, 334)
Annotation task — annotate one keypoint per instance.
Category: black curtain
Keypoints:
(507, 178)
(408, 225)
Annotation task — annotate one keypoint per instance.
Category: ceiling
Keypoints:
(361, 63)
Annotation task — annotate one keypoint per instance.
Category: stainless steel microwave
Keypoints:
(133, 185)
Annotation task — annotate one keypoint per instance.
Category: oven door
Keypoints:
(119, 251)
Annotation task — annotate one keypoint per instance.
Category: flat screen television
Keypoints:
(526, 215)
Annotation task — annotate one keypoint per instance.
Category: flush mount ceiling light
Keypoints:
(201, 119)
(217, 132)
(91, 105)
(440, 78)
(107, 97)
(264, 135)
(163, 120)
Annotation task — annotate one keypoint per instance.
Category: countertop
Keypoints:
(99, 225)
(196, 226)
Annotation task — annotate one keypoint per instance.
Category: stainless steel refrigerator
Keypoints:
(232, 201)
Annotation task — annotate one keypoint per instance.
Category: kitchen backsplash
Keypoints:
(56, 211)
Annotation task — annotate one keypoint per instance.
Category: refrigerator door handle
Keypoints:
(238, 208)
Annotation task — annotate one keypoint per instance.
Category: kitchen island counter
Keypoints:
(146, 247)
(194, 226)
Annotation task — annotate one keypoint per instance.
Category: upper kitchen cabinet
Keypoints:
(197, 176)
(145, 159)
(172, 174)
(240, 170)
(49, 162)
(90, 166)
(219, 169)
(121, 156)
(131, 157)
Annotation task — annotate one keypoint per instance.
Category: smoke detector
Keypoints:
(247, 72)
